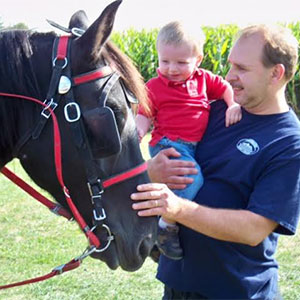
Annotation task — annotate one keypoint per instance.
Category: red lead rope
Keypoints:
(71, 265)
(35, 194)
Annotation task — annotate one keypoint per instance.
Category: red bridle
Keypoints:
(92, 238)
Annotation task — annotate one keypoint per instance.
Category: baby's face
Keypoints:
(177, 62)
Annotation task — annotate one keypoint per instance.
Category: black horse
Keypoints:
(97, 128)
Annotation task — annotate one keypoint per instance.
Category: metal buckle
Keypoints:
(59, 269)
(110, 238)
(77, 109)
(101, 217)
(56, 209)
(51, 105)
(91, 191)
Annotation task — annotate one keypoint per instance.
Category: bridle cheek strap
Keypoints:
(62, 47)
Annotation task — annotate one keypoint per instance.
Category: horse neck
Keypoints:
(20, 57)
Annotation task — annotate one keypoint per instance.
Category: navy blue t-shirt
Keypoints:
(252, 165)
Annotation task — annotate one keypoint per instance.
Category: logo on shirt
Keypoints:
(247, 146)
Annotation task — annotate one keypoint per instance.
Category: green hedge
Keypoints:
(140, 47)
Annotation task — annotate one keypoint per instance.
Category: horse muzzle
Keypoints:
(119, 251)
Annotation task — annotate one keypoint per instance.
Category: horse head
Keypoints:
(95, 93)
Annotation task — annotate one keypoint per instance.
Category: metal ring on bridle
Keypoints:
(110, 238)
(63, 66)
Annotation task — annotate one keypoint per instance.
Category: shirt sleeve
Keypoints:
(276, 195)
(215, 86)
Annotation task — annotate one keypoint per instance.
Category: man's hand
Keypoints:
(156, 199)
(163, 169)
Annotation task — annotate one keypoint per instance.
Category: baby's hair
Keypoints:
(176, 32)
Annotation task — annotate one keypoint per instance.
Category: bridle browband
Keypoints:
(72, 113)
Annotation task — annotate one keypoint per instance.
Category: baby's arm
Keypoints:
(233, 112)
(143, 124)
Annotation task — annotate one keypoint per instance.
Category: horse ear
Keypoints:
(97, 34)
(79, 20)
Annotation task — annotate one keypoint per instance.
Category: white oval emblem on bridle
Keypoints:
(64, 85)
(247, 146)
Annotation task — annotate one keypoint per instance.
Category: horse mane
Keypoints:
(17, 76)
(16, 62)
(131, 77)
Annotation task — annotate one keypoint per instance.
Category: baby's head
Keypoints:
(180, 50)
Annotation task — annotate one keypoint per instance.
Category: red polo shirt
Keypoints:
(180, 110)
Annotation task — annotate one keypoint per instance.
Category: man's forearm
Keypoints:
(240, 226)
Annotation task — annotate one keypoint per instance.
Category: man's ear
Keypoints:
(278, 72)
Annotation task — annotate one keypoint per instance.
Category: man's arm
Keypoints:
(240, 226)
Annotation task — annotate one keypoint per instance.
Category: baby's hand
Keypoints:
(140, 134)
(233, 114)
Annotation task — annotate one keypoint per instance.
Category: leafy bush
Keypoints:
(216, 49)
(140, 47)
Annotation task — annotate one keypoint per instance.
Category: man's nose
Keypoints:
(230, 75)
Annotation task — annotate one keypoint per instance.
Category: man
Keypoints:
(251, 185)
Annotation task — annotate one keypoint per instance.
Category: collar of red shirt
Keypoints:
(168, 82)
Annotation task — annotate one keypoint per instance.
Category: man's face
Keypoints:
(248, 76)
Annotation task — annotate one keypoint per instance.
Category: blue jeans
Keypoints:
(187, 151)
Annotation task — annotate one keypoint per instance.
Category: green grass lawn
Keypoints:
(34, 241)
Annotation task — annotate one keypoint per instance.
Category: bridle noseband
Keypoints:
(62, 81)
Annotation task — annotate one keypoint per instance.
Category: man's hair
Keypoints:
(281, 46)
(176, 33)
